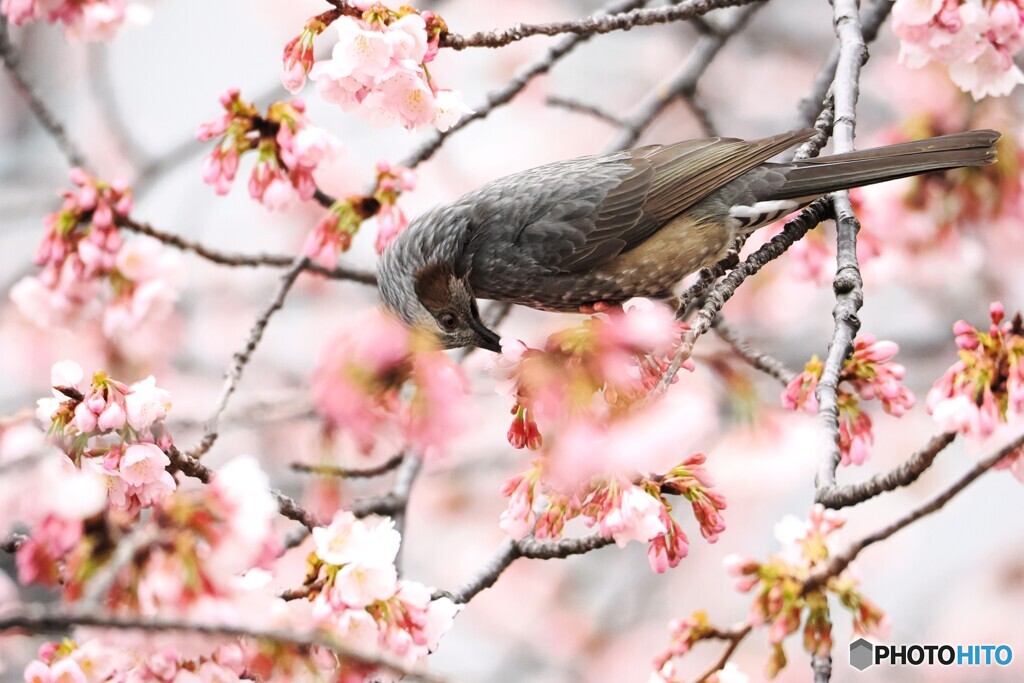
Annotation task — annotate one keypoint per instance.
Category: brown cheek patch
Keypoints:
(432, 286)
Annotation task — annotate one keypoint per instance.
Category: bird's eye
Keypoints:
(448, 320)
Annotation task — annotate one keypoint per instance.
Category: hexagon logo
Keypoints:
(861, 654)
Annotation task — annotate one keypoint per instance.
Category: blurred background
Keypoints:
(133, 105)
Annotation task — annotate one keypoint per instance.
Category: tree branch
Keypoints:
(583, 108)
(246, 260)
(682, 84)
(241, 359)
(734, 636)
(590, 25)
(848, 282)
(902, 475)
(511, 550)
(838, 563)
(724, 289)
(47, 119)
(350, 472)
(757, 359)
(503, 95)
(42, 619)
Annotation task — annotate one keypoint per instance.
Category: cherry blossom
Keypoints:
(378, 68)
(358, 387)
(288, 146)
(782, 604)
(868, 374)
(356, 592)
(333, 233)
(298, 53)
(684, 634)
(975, 39)
(85, 20)
(985, 388)
(83, 255)
(114, 430)
(601, 367)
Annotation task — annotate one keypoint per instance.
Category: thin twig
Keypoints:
(682, 84)
(503, 95)
(71, 151)
(191, 467)
(598, 113)
(43, 619)
(245, 260)
(241, 359)
(848, 283)
(735, 637)
(590, 25)
(511, 550)
(724, 289)
(838, 563)
(821, 667)
(350, 472)
(902, 475)
(757, 359)
(871, 22)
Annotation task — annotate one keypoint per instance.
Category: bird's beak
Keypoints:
(485, 338)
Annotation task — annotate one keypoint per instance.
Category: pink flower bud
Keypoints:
(85, 419)
(112, 418)
(997, 312)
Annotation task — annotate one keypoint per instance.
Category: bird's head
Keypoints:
(421, 285)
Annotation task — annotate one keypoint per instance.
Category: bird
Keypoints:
(600, 230)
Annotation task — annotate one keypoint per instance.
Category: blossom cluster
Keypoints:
(100, 660)
(867, 374)
(333, 233)
(114, 430)
(622, 509)
(589, 386)
(357, 595)
(288, 146)
(82, 249)
(87, 20)
(685, 633)
(597, 370)
(378, 67)
(190, 558)
(381, 380)
(783, 602)
(985, 387)
(976, 40)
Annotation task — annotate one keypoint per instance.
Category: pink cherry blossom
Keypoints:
(357, 387)
(636, 517)
(86, 20)
(378, 67)
(289, 149)
(985, 387)
(975, 39)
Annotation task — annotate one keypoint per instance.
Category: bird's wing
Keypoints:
(586, 212)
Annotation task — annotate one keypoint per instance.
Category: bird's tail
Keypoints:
(815, 177)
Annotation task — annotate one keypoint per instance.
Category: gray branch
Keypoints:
(838, 563)
(43, 619)
(902, 475)
(848, 283)
(605, 23)
(47, 119)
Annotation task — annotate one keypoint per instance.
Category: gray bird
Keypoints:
(567, 235)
